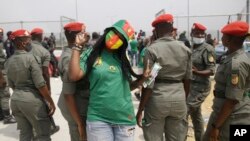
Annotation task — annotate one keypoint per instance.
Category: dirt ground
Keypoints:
(206, 110)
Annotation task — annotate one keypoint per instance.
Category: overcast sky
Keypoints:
(99, 14)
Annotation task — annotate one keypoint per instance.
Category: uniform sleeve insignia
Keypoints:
(210, 58)
(235, 79)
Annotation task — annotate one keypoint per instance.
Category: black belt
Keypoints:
(83, 88)
(167, 81)
(82, 85)
(200, 82)
(219, 94)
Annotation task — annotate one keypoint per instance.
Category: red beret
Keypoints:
(165, 18)
(1, 30)
(199, 26)
(20, 33)
(37, 31)
(238, 28)
(74, 26)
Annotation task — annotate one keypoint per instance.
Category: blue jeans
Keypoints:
(102, 131)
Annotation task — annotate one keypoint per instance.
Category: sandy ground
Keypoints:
(206, 110)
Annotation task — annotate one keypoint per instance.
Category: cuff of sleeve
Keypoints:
(234, 93)
(211, 68)
(46, 64)
(41, 84)
(189, 76)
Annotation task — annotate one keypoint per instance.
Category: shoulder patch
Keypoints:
(235, 71)
(210, 58)
(234, 79)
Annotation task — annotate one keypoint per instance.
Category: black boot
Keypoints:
(138, 96)
(8, 118)
(1, 114)
(53, 128)
(54, 74)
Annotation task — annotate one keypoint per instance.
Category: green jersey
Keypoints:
(142, 54)
(110, 98)
(134, 46)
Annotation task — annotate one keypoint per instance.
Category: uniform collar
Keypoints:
(17, 52)
(231, 55)
(199, 47)
(167, 38)
(36, 42)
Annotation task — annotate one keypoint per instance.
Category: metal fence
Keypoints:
(49, 27)
(215, 21)
(183, 23)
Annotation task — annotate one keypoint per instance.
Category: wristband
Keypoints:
(77, 48)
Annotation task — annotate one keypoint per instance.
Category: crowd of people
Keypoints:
(98, 76)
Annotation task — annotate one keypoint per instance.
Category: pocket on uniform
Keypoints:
(41, 111)
(43, 123)
(147, 120)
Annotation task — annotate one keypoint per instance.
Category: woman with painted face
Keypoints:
(203, 60)
(110, 112)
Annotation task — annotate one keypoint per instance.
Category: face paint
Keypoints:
(112, 40)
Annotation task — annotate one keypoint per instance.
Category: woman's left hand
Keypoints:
(81, 39)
